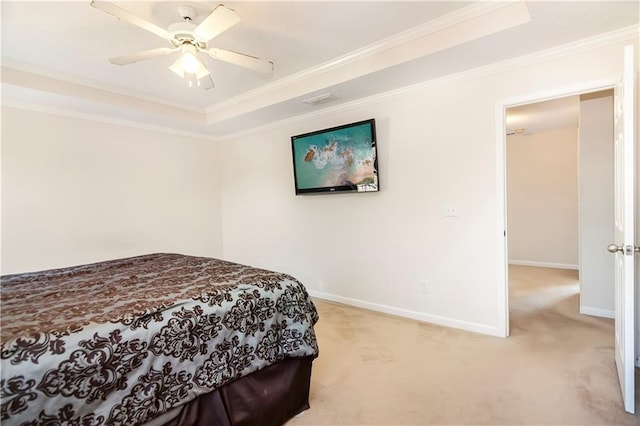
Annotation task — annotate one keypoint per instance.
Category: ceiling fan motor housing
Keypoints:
(183, 32)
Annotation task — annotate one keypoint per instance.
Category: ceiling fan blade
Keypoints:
(218, 21)
(241, 59)
(125, 15)
(142, 56)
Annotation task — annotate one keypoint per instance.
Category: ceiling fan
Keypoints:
(188, 39)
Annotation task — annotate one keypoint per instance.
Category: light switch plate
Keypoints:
(451, 210)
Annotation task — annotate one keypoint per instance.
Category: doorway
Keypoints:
(542, 212)
(542, 183)
(501, 126)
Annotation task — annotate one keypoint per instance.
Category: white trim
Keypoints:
(406, 313)
(100, 118)
(380, 47)
(543, 264)
(597, 312)
(37, 82)
(93, 84)
(617, 36)
(501, 220)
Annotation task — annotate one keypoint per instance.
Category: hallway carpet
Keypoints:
(556, 368)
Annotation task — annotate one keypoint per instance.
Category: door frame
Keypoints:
(501, 106)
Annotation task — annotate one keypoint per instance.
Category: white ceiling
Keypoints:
(55, 54)
(543, 116)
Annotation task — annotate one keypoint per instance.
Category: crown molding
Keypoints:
(395, 40)
(93, 84)
(209, 114)
(469, 23)
(631, 33)
(65, 88)
(100, 118)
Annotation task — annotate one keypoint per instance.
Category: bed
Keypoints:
(158, 339)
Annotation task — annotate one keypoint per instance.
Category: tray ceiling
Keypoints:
(55, 54)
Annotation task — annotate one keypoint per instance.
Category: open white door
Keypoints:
(624, 232)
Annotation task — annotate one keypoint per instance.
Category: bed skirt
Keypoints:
(269, 397)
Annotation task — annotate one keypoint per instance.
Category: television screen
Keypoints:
(341, 158)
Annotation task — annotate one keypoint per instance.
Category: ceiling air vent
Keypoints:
(515, 132)
(321, 99)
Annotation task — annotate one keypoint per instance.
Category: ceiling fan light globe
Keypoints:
(177, 68)
(191, 77)
(202, 72)
(190, 64)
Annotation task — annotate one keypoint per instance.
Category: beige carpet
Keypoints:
(557, 367)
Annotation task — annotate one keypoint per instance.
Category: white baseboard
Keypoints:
(406, 313)
(597, 312)
(543, 264)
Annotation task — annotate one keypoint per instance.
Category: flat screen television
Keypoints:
(338, 159)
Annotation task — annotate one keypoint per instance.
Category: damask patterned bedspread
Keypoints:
(123, 341)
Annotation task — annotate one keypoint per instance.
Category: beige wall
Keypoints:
(596, 206)
(76, 191)
(437, 145)
(542, 198)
